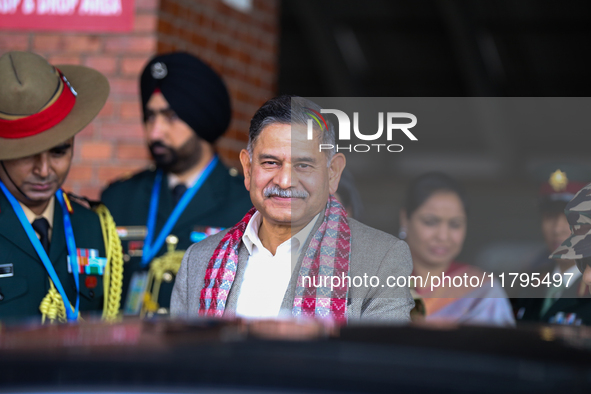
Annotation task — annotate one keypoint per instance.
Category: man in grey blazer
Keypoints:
(295, 254)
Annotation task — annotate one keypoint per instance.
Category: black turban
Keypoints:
(194, 91)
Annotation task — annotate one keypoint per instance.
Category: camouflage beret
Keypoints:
(578, 214)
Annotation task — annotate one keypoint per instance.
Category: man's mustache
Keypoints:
(158, 144)
(276, 191)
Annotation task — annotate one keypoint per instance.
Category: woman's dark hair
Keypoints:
(424, 186)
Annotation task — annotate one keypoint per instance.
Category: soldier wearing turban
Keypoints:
(189, 194)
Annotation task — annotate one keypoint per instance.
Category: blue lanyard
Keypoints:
(71, 244)
(151, 249)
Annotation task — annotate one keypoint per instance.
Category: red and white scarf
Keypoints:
(326, 257)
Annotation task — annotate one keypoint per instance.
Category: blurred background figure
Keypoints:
(349, 196)
(569, 301)
(433, 222)
(558, 185)
(189, 194)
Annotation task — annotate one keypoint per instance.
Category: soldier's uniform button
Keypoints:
(162, 311)
(126, 258)
(91, 294)
(167, 277)
(233, 172)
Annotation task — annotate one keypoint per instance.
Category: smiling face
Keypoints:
(38, 176)
(288, 177)
(436, 230)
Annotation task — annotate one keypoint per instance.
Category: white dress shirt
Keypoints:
(266, 277)
(174, 180)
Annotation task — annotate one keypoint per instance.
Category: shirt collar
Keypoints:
(251, 233)
(47, 213)
(174, 180)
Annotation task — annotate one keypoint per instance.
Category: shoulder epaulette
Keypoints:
(84, 201)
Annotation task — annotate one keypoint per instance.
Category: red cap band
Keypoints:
(571, 188)
(41, 121)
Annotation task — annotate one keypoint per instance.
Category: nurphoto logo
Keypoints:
(344, 130)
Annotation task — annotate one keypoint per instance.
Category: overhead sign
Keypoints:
(67, 15)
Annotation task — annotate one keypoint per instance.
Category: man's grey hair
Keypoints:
(290, 110)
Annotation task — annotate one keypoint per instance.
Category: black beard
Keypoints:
(178, 160)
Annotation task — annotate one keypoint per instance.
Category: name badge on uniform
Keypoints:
(135, 295)
(89, 262)
(202, 232)
(6, 270)
(135, 248)
(132, 233)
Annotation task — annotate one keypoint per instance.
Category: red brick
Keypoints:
(133, 66)
(196, 18)
(104, 64)
(108, 174)
(97, 150)
(168, 6)
(71, 186)
(145, 23)
(87, 132)
(46, 42)
(241, 136)
(123, 44)
(244, 57)
(164, 27)
(132, 152)
(107, 111)
(270, 6)
(124, 86)
(64, 60)
(199, 40)
(122, 131)
(67, 43)
(181, 11)
(206, 22)
(146, 5)
(221, 26)
(14, 42)
(89, 191)
(130, 110)
(230, 158)
(268, 66)
(222, 49)
(79, 173)
(81, 43)
(163, 47)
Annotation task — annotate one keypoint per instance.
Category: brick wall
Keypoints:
(242, 47)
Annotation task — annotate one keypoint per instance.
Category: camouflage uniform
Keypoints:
(578, 245)
(574, 304)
